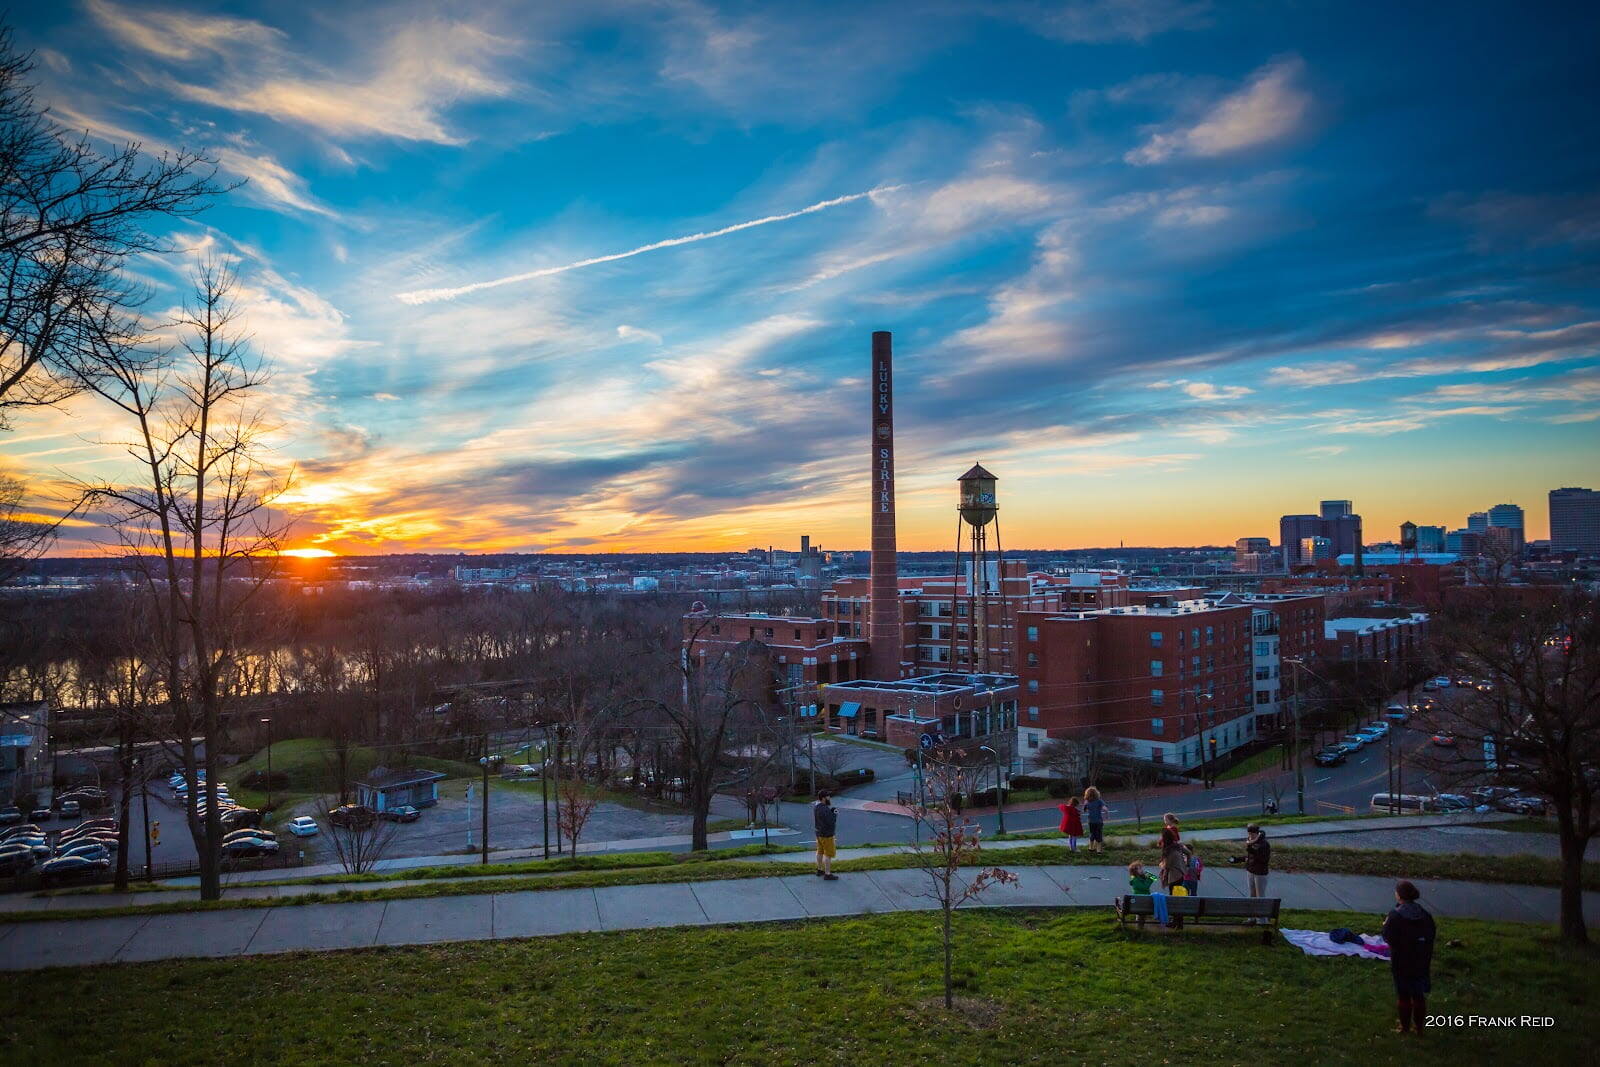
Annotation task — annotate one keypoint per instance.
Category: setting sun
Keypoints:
(307, 553)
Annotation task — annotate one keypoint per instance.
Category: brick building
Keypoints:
(804, 650)
(1369, 640)
(952, 706)
(1167, 678)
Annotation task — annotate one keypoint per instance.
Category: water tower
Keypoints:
(977, 597)
(1408, 541)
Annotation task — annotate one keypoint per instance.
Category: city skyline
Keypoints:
(602, 279)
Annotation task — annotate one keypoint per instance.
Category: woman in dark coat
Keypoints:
(1410, 932)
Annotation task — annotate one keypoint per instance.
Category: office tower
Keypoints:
(1478, 521)
(1575, 520)
(1336, 509)
(1430, 539)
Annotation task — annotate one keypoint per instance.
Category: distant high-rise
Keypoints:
(1505, 527)
(1337, 522)
(1575, 520)
(1478, 521)
(1316, 549)
(1252, 555)
(1430, 538)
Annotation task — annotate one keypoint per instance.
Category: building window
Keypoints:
(1195, 636)
(1155, 668)
(1033, 714)
(1156, 755)
(1033, 740)
(1155, 638)
(769, 631)
(1210, 635)
(1158, 726)
(1033, 633)
(1261, 648)
(716, 629)
(1033, 685)
(1033, 659)
(797, 635)
(1157, 698)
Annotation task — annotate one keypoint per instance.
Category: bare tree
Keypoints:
(831, 756)
(23, 537)
(359, 843)
(1536, 724)
(950, 843)
(718, 707)
(197, 524)
(578, 802)
(71, 215)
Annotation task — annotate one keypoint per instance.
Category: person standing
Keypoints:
(1174, 860)
(1071, 822)
(1191, 881)
(1257, 859)
(1410, 932)
(1094, 811)
(825, 818)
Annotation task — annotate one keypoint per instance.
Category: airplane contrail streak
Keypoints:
(428, 296)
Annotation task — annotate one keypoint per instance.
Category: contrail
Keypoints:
(428, 296)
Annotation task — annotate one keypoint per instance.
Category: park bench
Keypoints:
(1221, 911)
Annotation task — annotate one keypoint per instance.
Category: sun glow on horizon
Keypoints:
(308, 553)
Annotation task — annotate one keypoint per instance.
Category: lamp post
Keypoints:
(999, 789)
(267, 722)
(144, 807)
(1299, 767)
(486, 762)
(544, 787)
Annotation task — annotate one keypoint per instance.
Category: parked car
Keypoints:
(72, 866)
(87, 831)
(15, 861)
(1396, 713)
(9, 815)
(404, 813)
(1377, 726)
(111, 844)
(249, 846)
(1355, 741)
(71, 809)
(235, 818)
(303, 826)
(37, 845)
(1444, 740)
(238, 835)
(1329, 757)
(1441, 682)
(1452, 802)
(1372, 736)
(91, 850)
(41, 815)
(21, 828)
(354, 816)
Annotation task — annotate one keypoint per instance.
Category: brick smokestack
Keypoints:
(884, 627)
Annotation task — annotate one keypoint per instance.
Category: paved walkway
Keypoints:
(491, 916)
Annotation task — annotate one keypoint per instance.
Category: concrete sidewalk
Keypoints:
(491, 916)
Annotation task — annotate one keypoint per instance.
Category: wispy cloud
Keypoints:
(1270, 107)
(1097, 21)
(181, 35)
(428, 296)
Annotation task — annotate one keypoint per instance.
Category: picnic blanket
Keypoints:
(1318, 943)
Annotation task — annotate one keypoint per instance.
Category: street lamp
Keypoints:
(1299, 766)
(144, 806)
(999, 791)
(487, 762)
(267, 722)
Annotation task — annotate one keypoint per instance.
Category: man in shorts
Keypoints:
(826, 820)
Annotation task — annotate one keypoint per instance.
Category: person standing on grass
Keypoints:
(1410, 932)
(1257, 859)
(1174, 859)
(826, 820)
(1094, 810)
(1191, 881)
(1071, 822)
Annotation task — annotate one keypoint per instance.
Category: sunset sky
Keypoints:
(601, 276)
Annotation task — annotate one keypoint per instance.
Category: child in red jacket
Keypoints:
(1071, 822)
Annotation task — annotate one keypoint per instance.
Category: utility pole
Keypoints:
(999, 789)
(544, 787)
(267, 722)
(1299, 766)
(558, 788)
(487, 761)
(144, 806)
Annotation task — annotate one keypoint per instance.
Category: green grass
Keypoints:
(687, 867)
(1152, 824)
(1034, 987)
(1266, 759)
(311, 770)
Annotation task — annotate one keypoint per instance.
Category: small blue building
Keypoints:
(385, 789)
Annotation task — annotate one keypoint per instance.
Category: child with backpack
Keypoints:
(1197, 867)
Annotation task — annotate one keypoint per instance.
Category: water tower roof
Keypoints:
(975, 473)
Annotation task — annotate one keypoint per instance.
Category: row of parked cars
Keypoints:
(242, 833)
(81, 850)
(67, 805)
(1335, 754)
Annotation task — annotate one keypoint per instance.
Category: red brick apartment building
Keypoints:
(936, 612)
(806, 651)
(1169, 677)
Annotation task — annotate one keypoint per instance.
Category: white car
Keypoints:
(303, 826)
(1441, 682)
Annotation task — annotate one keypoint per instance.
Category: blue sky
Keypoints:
(1169, 268)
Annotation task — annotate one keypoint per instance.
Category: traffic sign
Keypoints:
(926, 741)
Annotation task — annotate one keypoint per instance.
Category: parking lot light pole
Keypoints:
(267, 722)
(144, 807)
(486, 762)
(544, 788)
